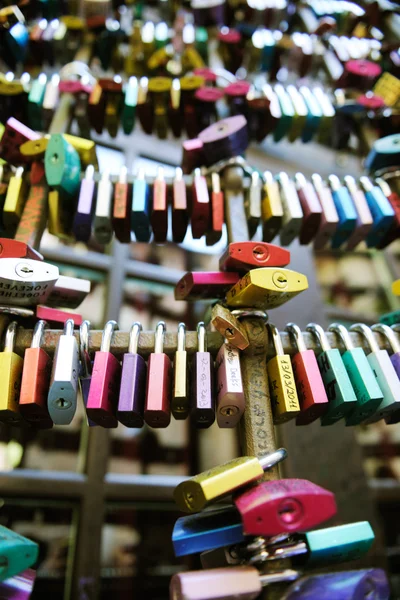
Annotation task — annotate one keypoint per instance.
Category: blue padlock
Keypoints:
(345, 585)
(381, 210)
(345, 209)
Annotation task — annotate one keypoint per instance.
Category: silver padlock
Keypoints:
(26, 282)
(292, 211)
(63, 390)
(68, 292)
(103, 229)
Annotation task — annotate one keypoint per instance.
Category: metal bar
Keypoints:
(29, 483)
(120, 342)
(140, 487)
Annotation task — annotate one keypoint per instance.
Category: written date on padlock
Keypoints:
(26, 282)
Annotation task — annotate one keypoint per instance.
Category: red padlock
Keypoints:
(16, 249)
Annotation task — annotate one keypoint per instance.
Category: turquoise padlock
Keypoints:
(339, 544)
(62, 165)
(341, 396)
(385, 153)
(17, 553)
(35, 102)
(390, 318)
(369, 394)
(287, 110)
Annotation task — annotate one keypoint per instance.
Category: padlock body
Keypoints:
(347, 216)
(207, 530)
(180, 393)
(229, 326)
(157, 411)
(122, 212)
(339, 544)
(84, 383)
(287, 505)
(310, 387)
(341, 396)
(201, 285)
(34, 387)
(195, 493)
(25, 282)
(82, 223)
(18, 554)
(132, 393)
(10, 384)
(63, 165)
(285, 403)
(343, 585)
(203, 402)
(230, 395)
(237, 583)
(200, 217)
(62, 396)
(104, 387)
(243, 256)
(367, 390)
(388, 382)
(383, 215)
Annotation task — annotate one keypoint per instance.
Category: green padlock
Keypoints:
(62, 165)
(35, 102)
(285, 122)
(129, 108)
(390, 318)
(17, 553)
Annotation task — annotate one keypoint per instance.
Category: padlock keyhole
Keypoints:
(290, 511)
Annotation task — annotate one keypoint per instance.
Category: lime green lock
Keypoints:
(62, 165)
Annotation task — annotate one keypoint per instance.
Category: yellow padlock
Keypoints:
(10, 378)
(15, 200)
(59, 220)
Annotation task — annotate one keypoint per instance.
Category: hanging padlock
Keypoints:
(394, 200)
(102, 225)
(200, 216)
(63, 165)
(26, 282)
(82, 224)
(104, 386)
(230, 402)
(157, 410)
(214, 233)
(129, 107)
(85, 374)
(346, 212)
(10, 378)
(121, 218)
(180, 213)
(292, 212)
(381, 210)
(180, 392)
(159, 214)
(35, 102)
(17, 555)
(203, 401)
(141, 208)
(200, 285)
(309, 384)
(285, 403)
(365, 221)
(133, 383)
(329, 217)
(271, 207)
(243, 256)
(14, 202)
(252, 203)
(63, 390)
(229, 326)
(311, 207)
(369, 394)
(33, 220)
(35, 382)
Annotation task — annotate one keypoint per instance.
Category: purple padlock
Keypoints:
(82, 224)
(18, 587)
(133, 383)
(344, 585)
(390, 336)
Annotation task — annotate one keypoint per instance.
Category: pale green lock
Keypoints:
(62, 165)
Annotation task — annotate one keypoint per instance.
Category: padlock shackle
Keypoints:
(367, 333)
(134, 335)
(69, 327)
(84, 348)
(159, 338)
(318, 332)
(38, 333)
(297, 335)
(181, 337)
(278, 577)
(107, 336)
(343, 334)
(201, 337)
(389, 334)
(272, 458)
(11, 332)
(276, 339)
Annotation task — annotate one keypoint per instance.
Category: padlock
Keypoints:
(230, 402)
(133, 383)
(85, 374)
(10, 378)
(365, 221)
(104, 386)
(390, 336)
(102, 225)
(214, 232)
(35, 382)
(346, 212)
(15, 200)
(252, 203)
(159, 89)
(300, 113)
(121, 219)
(390, 318)
(85, 148)
(329, 217)
(56, 315)
(62, 165)
(229, 326)
(207, 530)
(34, 149)
(68, 292)
(96, 108)
(200, 285)
(271, 207)
(287, 113)
(180, 214)
(265, 288)
(233, 583)
(15, 134)
(144, 107)
(59, 217)
(203, 400)
(174, 108)
(384, 372)
(193, 494)
(141, 208)
(310, 387)
(275, 111)
(50, 101)
(26, 282)
(35, 102)
(157, 410)
(129, 107)
(33, 220)
(284, 506)
(16, 249)
(242, 256)
(394, 199)
(17, 553)
(314, 116)
(369, 394)
(292, 219)
(63, 390)
(200, 215)
(206, 102)
(341, 396)
(284, 399)
(82, 224)
(114, 96)
(180, 392)
(381, 210)
(311, 208)
(349, 584)
(159, 214)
